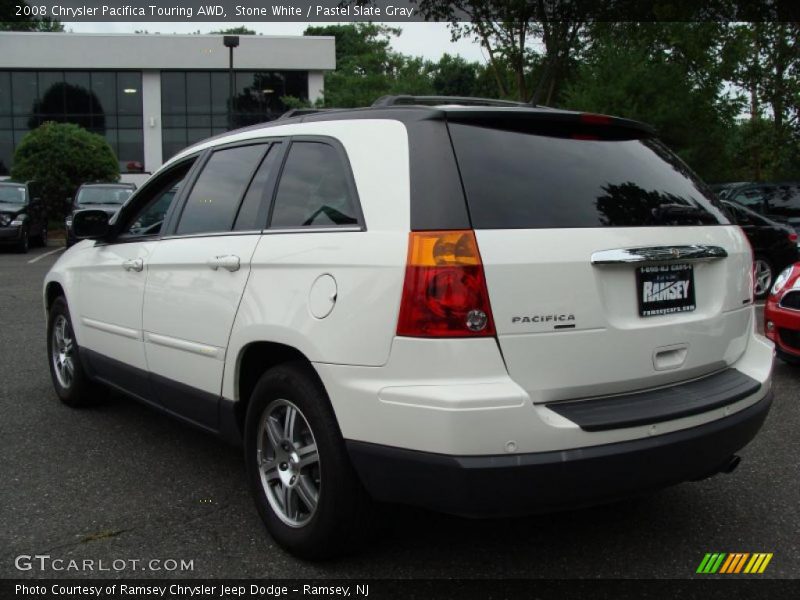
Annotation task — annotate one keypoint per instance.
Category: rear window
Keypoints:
(519, 180)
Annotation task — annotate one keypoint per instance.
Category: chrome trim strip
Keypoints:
(213, 234)
(185, 345)
(133, 334)
(350, 228)
(694, 253)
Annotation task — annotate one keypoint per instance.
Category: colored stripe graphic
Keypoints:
(734, 563)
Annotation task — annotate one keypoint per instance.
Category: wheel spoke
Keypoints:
(288, 423)
(289, 502)
(307, 493)
(270, 470)
(308, 455)
(274, 432)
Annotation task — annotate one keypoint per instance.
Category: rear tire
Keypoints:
(312, 504)
(71, 383)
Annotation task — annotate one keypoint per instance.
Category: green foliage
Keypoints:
(9, 21)
(61, 156)
(241, 30)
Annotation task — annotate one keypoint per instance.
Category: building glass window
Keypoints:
(108, 103)
(194, 104)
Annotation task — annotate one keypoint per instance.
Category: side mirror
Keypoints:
(90, 224)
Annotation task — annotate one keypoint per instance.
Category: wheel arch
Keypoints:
(253, 360)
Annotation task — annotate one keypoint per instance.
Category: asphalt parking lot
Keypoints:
(123, 482)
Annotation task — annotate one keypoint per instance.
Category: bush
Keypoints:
(61, 156)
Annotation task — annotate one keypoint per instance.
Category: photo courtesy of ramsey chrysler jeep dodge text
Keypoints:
(478, 307)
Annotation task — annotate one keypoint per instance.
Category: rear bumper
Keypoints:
(509, 484)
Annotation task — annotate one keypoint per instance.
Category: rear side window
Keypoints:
(314, 190)
(214, 200)
(517, 180)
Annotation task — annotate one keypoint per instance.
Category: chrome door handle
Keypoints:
(133, 264)
(229, 262)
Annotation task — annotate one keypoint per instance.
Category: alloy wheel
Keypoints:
(63, 352)
(763, 277)
(288, 462)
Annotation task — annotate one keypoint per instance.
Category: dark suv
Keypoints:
(104, 196)
(23, 215)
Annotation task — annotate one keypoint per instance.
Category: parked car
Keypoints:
(774, 245)
(782, 314)
(23, 215)
(723, 190)
(103, 196)
(778, 201)
(482, 310)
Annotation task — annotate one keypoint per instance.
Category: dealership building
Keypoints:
(151, 95)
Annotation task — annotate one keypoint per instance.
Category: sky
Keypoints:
(429, 40)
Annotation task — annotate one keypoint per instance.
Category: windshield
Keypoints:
(103, 195)
(12, 194)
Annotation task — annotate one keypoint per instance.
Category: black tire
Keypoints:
(81, 391)
(344, 513)
(789, 359)
(42, 239)
(24, 243)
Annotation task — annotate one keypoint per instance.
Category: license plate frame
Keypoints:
(665, 289)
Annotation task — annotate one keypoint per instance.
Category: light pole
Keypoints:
(231, 42)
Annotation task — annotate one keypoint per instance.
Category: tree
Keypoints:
(367, 67)
(671, 75)
(61, 156)
(507, 29)
(9, 21)
(241, 30)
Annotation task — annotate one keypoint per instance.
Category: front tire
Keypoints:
(71, 383)
(305, 489)
(24, 242)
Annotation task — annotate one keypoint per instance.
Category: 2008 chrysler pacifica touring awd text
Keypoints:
(483, 310)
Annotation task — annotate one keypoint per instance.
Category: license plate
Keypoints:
(665, 289)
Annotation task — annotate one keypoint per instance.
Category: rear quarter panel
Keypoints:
(368, 266)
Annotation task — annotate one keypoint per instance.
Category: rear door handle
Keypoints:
(229, 262)
(133, 264)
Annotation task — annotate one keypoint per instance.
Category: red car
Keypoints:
(782, 314)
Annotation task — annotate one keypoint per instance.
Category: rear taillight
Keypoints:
(793, 238)
(445, 293)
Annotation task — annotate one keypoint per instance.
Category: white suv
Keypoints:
(483, 310)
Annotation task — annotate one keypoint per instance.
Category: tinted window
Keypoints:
(314, 189)
(752, 198)
(103, 195)
(254, 200)
(12, 193)
(154, 200)
(783, 200)
(214, 200)
(522, 180)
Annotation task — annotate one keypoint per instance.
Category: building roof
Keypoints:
(34, 50)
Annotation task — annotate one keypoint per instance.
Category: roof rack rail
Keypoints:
(299, 112)
(436, 100)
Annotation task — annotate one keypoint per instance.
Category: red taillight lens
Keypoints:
(444, 294)
(793, 238)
